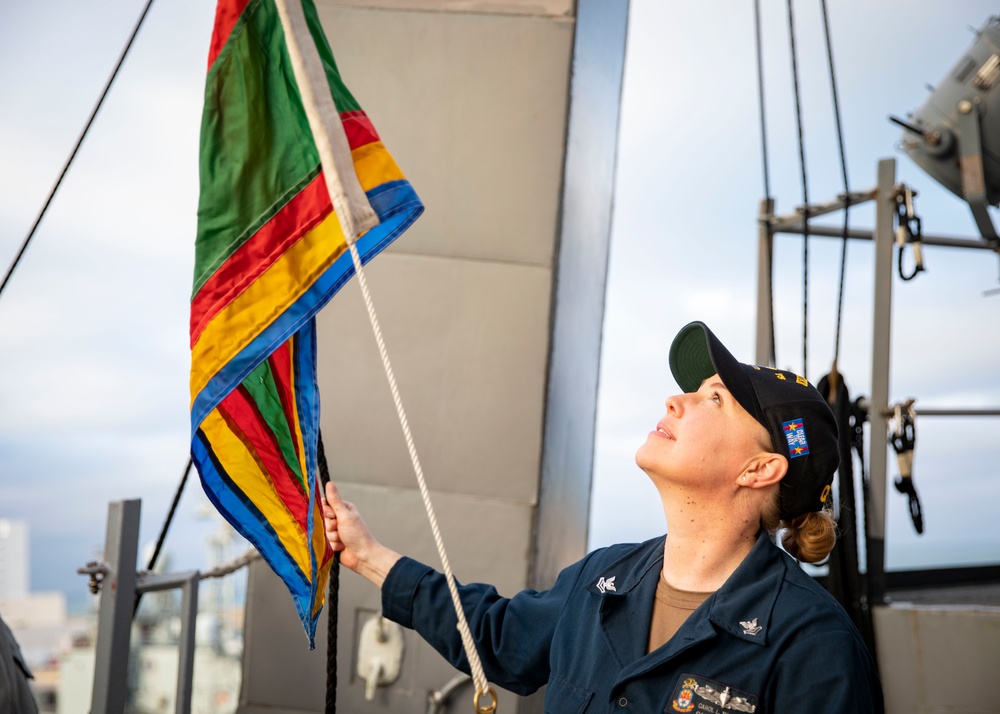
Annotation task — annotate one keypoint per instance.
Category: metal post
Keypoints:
(185, 648)
(885, 211)
(765, 337)
(115, 610)
(188, 583)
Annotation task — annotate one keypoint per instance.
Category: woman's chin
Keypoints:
(644, 459)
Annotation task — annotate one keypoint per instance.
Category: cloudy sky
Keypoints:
(93, 335)
(684, 243)
(93, 327)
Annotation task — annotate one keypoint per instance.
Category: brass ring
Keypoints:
(489, 708)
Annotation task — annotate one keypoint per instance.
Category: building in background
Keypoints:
(38, 620)
(15, 575)
(155, 636)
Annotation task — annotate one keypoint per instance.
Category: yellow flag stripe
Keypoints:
(267, 298)
(375, 165)
(257, 486)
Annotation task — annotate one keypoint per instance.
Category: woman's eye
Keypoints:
(716, 397)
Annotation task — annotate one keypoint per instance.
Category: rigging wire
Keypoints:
(805, 196)
(166, 526)
(843, 171)
(76, 147)
(170, 516)
(764, 162)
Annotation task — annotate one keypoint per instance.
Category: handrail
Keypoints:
(941, 241)
(118, 583)
(937, 411)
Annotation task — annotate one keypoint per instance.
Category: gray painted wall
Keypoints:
(938, 659)
(491, 307)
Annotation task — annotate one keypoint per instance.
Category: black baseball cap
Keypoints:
(797, 418)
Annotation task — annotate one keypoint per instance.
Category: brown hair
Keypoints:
(808, 538)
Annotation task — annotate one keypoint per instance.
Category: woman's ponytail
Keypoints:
(811, 536)
(808, 538)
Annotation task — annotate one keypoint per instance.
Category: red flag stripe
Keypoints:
(242, 416)
(296, 218)
(281, 373)
(359, 129)
(227, 13)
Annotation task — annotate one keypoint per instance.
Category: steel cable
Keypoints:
(805, 196)
(166, 526)
(76, 147)
(843, 171)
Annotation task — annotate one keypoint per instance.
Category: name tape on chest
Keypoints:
(694, 693)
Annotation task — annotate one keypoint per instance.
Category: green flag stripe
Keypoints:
(250, 100)
(342, 96)
(264, 392)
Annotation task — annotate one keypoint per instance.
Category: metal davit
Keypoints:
(955, 135)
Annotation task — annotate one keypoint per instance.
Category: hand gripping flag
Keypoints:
(270, 252)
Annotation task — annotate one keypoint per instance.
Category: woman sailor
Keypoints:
(713, 617)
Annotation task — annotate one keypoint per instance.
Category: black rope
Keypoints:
(845, 581)
(332, 602)
(805, 197)
(163, 531)
(843, 171)
(72, 155)
(760, 100)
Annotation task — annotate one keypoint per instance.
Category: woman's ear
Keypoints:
(765, 470)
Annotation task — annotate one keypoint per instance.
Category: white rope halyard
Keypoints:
(478, 676)
(356, 215)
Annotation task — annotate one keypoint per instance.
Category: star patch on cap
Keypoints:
(795, 433)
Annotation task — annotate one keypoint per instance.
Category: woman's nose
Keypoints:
(675, 405)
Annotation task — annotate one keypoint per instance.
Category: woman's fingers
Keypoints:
(349, 535)
(333, 503)
(330, 517)
(333, 495)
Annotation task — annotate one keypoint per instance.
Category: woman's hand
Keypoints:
(349, 535)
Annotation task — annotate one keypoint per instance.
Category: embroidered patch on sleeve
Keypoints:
(696, 693)
(795, 433)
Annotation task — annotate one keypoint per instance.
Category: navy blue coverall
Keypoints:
(769, 641)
